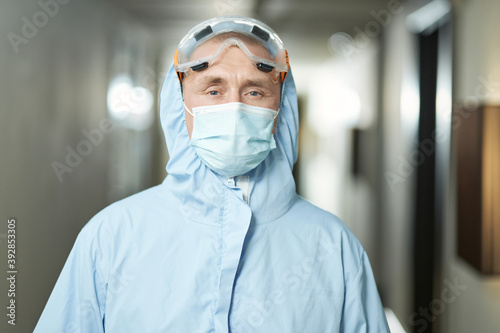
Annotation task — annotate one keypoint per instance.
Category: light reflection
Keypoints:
(129, 105)
(443, 104)
(333, 105)
(410, 104)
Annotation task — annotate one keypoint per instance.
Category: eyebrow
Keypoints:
(215, 79)
(257, 83)
(211, 79)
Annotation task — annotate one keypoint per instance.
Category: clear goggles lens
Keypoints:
(276, 64)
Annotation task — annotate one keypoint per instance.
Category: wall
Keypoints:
(52, 87)
(338, 97)
(399, 116)
(383, 71)
(476, 307)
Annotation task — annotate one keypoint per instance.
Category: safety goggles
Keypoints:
(275, 65)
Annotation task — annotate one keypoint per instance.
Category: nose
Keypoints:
(234, 96)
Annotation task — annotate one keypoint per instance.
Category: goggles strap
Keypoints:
(179, 74)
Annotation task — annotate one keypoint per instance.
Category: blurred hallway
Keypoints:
(389, 93)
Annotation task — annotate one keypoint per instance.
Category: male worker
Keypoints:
(224, 244)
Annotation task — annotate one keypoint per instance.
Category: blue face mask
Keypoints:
(233, 138)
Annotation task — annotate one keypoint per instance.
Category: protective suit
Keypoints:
(202, 253)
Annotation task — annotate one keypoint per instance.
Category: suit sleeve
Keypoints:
(363, 311)
(77, 302)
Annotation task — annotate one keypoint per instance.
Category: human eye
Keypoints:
(215, 91)
(256, 93)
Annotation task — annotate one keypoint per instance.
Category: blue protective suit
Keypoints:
(200, 253)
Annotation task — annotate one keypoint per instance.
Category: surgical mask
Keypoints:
(232, 138)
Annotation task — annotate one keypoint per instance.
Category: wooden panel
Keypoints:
(491, 189)
(478, 170)
(469, 185)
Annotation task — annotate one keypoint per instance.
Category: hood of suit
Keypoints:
(199, 192)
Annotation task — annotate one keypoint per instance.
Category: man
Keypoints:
(224, 244)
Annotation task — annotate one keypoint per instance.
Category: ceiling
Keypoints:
(306, 23)
(336, 14)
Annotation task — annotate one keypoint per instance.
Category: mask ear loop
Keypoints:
(277, 112)
(187, 109)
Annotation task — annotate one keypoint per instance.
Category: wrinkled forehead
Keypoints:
(212, 45)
